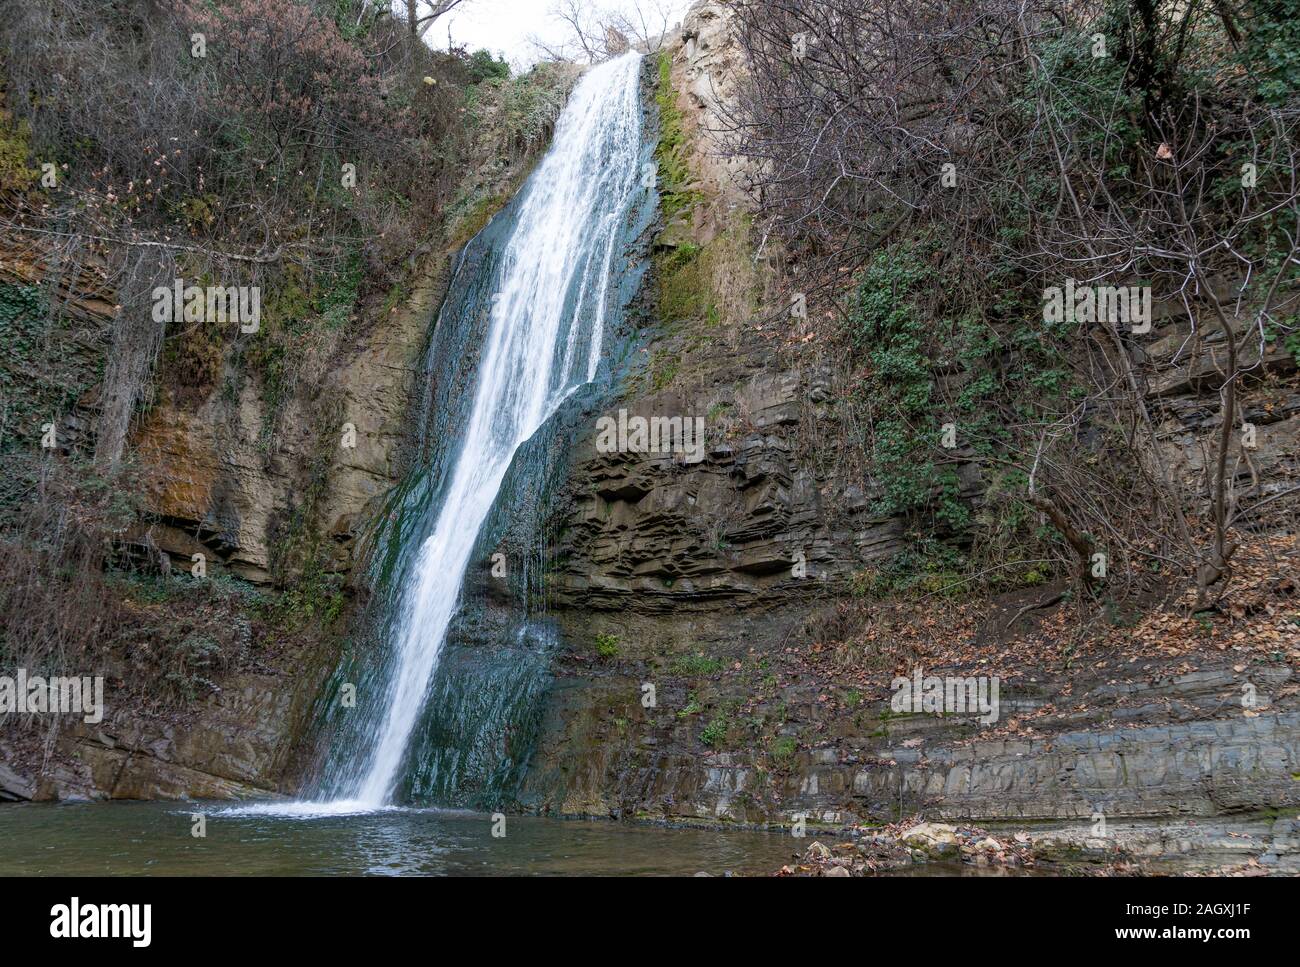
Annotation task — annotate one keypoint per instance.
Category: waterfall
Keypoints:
(544, 337)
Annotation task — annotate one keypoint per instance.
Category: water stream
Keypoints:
(547, 305)
(154, 838)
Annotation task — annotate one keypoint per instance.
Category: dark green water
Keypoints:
(155, 838)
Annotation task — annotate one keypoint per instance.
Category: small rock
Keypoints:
(933, 839)
(15, 786)
(817, 852)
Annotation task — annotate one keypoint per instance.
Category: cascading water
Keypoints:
(545, 331)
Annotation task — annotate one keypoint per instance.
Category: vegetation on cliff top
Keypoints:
(1145, 145)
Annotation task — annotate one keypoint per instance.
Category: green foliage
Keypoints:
(310, 592)
(1271, 52)
(1084, 90)
(607, 645)
(483, 67)
(888, 329)
(355, 18)
(1004, 368)
(286, 314)
(516, 115)
(193, 353)
(782, 749)
(314, 596)
(297, 316)
(191, 663)
(716, 730)
(695, 666)
(1292, 345)
(338, 291)
(199, 212)
(925, 566)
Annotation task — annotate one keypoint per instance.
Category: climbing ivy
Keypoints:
(1270, 54)
(37, 383)
(888, 330)
(924, 354)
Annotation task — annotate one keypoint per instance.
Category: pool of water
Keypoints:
(134, 838)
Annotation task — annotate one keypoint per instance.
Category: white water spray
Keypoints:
(555, 270)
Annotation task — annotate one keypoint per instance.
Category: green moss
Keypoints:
(683, 281)
(296, 314)
(713, 284)
(285, 312)
(479, 214)
(664, 369)
(607, 645)
(193, 352)
(396, 295)
(673, 151)
(15, 147)
(684, 291)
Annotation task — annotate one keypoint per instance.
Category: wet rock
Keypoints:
(933, 839)
(13, 786)
(239, 743)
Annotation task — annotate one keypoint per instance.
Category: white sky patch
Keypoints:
(505, 26)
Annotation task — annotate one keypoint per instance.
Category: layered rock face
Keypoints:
(1167, 747)
(1186, 367)
(707, 67)
(688, 589)
(755, 523)
(217, 488)
(236, 745)
(706, 575)
(213, 488)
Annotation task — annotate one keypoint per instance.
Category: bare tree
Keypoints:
(994, 126)
(420, 14)
(646, 24)
(594, 34)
